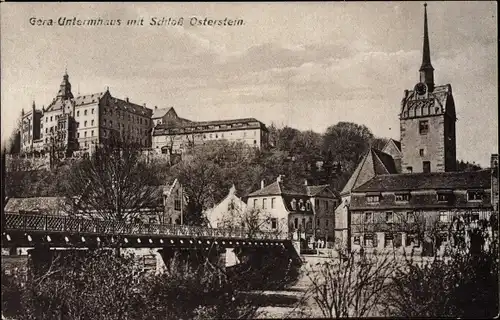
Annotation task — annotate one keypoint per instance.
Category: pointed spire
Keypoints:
(426, 70)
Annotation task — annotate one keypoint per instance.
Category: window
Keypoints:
(443, 216)
(255, 203)
(264, 203)
(92, 123)
(308, 205)
(403, 197)
(85, 134)
(151, 220)
(46, 119)
(426, 166)
(388, 240)
(421, 152)
(303, 225)
(293, 204)
(410, 217)
(296, 223)
(50, 118)
(272, 202)
(92, 133)
(104, 122)
(409, 169)
(412, 239)
(85, 112)
(474, 195)
(92, 110)
(46, 130)
(316, 204)
(177, 204)
(274, 223)
(85, 124)
(389, 217)
(372, 199)
(78, 135)
(423, 126)
(326, 204)
(327, 220)
(357, 240)
(368, 240)
(444, 197)
(368, 217)
(317, 223)
(78, 113)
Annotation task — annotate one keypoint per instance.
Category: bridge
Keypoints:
(29, 230)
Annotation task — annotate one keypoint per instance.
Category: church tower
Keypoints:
(427, 121)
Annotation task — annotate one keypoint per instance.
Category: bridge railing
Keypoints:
(72, 224)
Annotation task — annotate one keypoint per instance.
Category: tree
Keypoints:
(467, 166)
(464, 285)
(114, 183)
(350, 286)
(347, 142)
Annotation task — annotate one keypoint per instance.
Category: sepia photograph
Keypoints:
(239, 160)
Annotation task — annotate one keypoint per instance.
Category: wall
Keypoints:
(432, 143)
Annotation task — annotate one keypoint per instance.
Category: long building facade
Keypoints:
(74, 125)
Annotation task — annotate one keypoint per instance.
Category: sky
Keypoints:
(304, 65)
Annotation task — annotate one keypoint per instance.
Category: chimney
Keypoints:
(305, 182)
(126, 99)
(262, 184)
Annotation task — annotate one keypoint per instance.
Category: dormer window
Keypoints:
(301, 205)
(293, 203)
(474, 195)
(373, 199)
(444, 196)
(403, 197)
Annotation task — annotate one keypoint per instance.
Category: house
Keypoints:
(305, 212)
(39, 205)
(174, 203)
(389, 210)
(228, 212)
(373, 163)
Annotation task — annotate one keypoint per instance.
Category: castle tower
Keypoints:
(65, 88)
(427, 121)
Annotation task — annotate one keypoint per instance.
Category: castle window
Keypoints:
(421, 152)
(50, 118)
(255, 203)
(177, 204)
(474, 195)
(92, 133)
(423, 126)
(296, 223)
(78, 134)
(294, 204)
(85, 134)
(85, 124)
(389, 240)
(78, 113)
(92, 123)
(444, 197)
(372, 199)
(308, 205)
(357, 240)
(409, 169)
(426, 165)
(264, 203)
(272, 202)
(85, 112)
(46, 119)
(92, 110)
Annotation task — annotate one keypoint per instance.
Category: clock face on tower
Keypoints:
(420, 88)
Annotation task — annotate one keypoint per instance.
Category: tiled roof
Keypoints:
(434, 180)
(90, 98)
(194, 124)
(375, 162)
(269, 190)
(159, 113)
(48, 205)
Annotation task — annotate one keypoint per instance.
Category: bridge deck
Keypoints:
(25, 229)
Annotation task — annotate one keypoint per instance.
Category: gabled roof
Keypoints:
(435, 180)
(269, 190)
(396, 143)
(42, 205)
(280, 188)
(375, 162)
(160, 113)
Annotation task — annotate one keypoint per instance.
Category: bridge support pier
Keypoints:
(192, 258)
